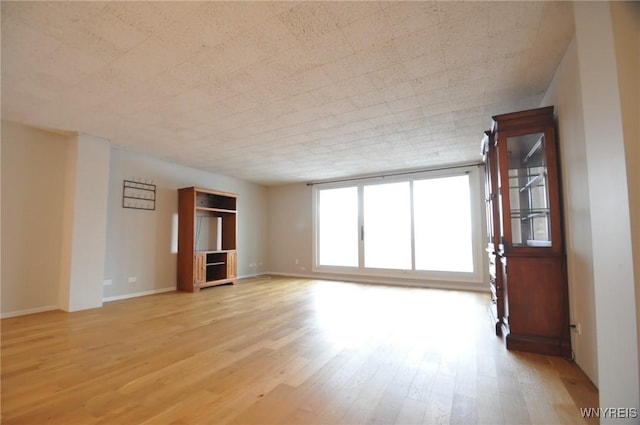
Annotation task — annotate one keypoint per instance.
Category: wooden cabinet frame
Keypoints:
(216, 262)
(528, 277)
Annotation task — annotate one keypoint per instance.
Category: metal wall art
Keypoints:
(139, 194)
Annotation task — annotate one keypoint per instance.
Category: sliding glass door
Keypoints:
(386, 230)
(442, 220)
(337, 215)
(423, 224)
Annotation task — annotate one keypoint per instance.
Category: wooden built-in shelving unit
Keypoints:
(207, 233)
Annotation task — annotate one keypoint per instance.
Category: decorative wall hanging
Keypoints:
(139, 194)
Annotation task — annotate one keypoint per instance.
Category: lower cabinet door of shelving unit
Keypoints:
(199, 269)
(538, 313)
(232, 265)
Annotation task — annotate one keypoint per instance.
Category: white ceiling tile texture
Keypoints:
(278, 92)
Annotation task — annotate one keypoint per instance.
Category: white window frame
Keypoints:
(477, 226)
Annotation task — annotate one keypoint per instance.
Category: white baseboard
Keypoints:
(249, 276)
(29, 311)
(381, 281)
(462, 286)
(159, 291)
(138, 294)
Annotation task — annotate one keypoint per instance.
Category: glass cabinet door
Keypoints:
(490, 155)
(488, 189)
(528, 191)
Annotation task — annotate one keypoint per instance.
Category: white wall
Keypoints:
(84, 224)
(142, 244)
(587, 91)
(291, 229)
(564, 93)
(626, 32)
(33, 183)
(617, 342)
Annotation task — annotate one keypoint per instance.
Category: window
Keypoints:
(442, 214)
(387, 223)
(338, 227)
(423, 226)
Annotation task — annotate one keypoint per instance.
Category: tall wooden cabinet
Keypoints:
(525, 247)
(207, 229)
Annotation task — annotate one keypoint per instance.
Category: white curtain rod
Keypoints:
(399, 173)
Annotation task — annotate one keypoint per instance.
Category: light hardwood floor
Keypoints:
(282, 351)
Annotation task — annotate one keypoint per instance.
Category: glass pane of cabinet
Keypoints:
(490, 156)
(528, 190)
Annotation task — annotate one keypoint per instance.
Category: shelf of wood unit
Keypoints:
(216, 210)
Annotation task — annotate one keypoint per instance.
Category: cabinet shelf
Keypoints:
(535, 149)
(530, 213)
(537, 180)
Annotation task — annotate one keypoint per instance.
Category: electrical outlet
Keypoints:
(577, 328)
(132, 280)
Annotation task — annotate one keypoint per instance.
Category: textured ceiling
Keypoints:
(276, 92)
